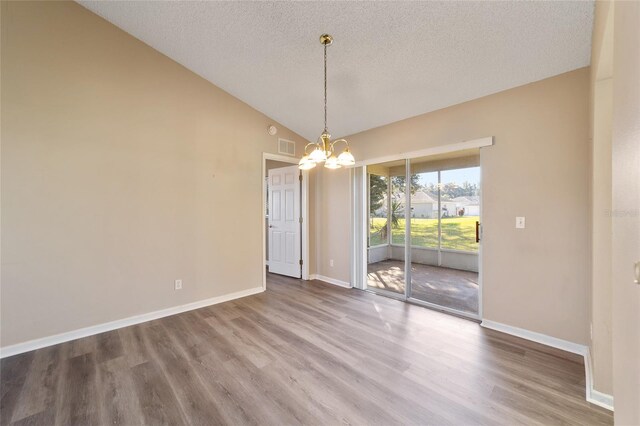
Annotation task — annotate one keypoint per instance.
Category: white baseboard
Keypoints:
(330, 280)
(601, 399)
(592, 395)
(31, 345)
(554, 342)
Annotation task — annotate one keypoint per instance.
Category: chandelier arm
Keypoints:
(339, 140)
(308, 145)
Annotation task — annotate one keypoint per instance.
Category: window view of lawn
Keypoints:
(458, 233)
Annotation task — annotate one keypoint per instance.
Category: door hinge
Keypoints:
(300, 176)
(301, 262)
(300, 220)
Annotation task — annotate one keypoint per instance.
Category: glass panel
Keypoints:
(444, 259)
(397, 206)
(424, 211)
(378, 209)
(460, 208)
(385, 265)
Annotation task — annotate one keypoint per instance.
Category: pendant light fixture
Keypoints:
(323, 150)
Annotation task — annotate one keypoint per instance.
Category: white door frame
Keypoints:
(304, 212)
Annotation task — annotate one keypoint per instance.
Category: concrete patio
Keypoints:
(446, 287)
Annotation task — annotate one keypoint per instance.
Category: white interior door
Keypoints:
(284, 221)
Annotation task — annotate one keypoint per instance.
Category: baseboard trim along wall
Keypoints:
(113, 325)
(593, 396)
(330, 280)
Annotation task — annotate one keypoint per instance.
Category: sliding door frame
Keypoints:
(360, 218)
(407, 229)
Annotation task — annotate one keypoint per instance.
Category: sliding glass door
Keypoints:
(386, 229)
(423, 219)
(444, 245)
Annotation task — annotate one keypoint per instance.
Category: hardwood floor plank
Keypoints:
(189, 392)
(250, 350)
(109, 346)
(117, 392)
(39, 389)
(78, 347)
(233, 408)
(133, 347)
(46, 417)
(157, 400)
(78, 402)
(13, 373)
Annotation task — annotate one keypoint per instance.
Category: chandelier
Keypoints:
(323, 150)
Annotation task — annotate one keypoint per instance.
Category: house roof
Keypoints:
(470, 199)
(420, 197)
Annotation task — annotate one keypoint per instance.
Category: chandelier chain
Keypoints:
(325, 88)
(323, 151)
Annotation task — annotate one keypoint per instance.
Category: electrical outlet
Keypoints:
(520, 222)
(331, 262)
(178, 285)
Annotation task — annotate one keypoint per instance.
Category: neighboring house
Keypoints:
(449, 208)
(422, 205)
(470, 204)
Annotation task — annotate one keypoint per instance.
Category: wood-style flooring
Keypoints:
(300, 353)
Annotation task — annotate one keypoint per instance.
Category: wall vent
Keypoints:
(286, 147)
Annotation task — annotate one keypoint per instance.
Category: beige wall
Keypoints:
(332, 223)
(601, 110)
(536, 278)
(121, 172)
(626, 212)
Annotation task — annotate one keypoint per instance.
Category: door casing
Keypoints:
(304, 211)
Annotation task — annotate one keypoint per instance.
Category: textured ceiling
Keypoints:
(389, 60)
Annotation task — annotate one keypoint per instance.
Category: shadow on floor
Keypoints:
(446, 287)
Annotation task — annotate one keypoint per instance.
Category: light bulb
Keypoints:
(306, 165)
(346, 158)
(318, 155)
(332, 163)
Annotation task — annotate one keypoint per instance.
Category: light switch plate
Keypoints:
(520, 222)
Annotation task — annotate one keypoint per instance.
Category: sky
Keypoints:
(471, 175)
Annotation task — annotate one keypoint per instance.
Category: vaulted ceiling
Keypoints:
(389, 60)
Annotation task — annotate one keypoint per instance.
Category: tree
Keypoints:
(452, 190)
(377, 192)
(398, 184)
(397, 211)
(469, 189)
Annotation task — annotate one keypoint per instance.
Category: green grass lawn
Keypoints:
(458, 233)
